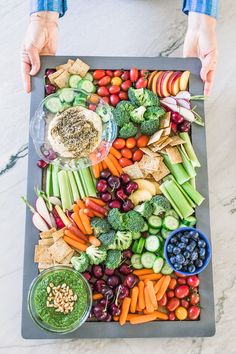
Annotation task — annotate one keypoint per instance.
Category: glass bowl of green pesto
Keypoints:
(59, 299)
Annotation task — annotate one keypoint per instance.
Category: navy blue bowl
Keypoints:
(202, 236)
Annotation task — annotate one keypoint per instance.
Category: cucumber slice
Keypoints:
(135, 246)
(173, 213)
(145, 228)
(141, 243)
(53, 104)
(74, 80)
(165, 233)
(182, 225)
(67, 95)
(152, 243)
(79, 101)
(87, 86)
(147, 259)
(158, 264)
(190, 221)
(88, 77)
(171, 223)
(65, 105)
(155, 222)
(166, 269)
(136, 235)
(136, 261)
(153, 231)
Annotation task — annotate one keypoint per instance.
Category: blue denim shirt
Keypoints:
(207, 7)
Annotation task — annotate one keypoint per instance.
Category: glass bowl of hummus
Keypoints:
(67, 132)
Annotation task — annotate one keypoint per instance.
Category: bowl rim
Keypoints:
(203, 236)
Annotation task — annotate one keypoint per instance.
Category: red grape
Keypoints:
(106, 197)
(124, 178)
(131, 280)
(125, 269)
(127, 254)
(114, 204)
(131, 187)
(102, 186)
(114, 182)
(105, 174)
(115, 310)
(108, 271)
(50, 71)
(120, 194)
(127, 205)
(122, 291)
(99, 285)
(113, 281)
(97, 271)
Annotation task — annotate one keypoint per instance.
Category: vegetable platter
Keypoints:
(115, 215)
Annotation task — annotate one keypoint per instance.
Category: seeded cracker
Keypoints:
(53, 76)
(58, 234)
(67, 259)
(62, 80)
(149, 164)
(59, 250)
(134, 171)
(174, 155)
(41, 254)
(47, 234)
(46, 242)
(79, 68)
(161, 172)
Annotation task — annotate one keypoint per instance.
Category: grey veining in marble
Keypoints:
(124, 28)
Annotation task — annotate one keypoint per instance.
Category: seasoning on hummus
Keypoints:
(75, 133)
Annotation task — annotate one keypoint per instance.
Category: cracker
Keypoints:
(58, 234)
(134, 171)
(79, 68)
(59, 250)
(174, 155)
(164, 143)
(161, 172)
(67, 259)
(66, 66)
(42, 266)
(42, 254)
(165, 121)
(167, 131)
(53, 76)
(149, 152)
(155, 137)
(176, 140)
(149, 164)
(47, 234)
(63, 79)
(46, 242)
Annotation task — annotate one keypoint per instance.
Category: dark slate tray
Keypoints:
(205, 327)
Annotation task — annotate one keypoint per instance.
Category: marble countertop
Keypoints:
(94, 28)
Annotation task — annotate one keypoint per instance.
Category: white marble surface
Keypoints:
(117, 27)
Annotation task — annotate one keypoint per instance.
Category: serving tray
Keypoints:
(204, 327)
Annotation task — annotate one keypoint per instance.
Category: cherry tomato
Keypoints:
(163, 300)
(184, 303)
(171, 316)
(182, 291)
(116, 81)
(106, 99)
(194, 312)
(104, 81)
(123, 95)
(173, 304)
(142, 141)
(92, 107)
(114, 99)
(141, 83)
(144, 73)
(94, 98)
(125, 75)
(114, 89)
(98, 74)
(117, 73)
(124, 162)
(193, 281)
(119, 143)
(180, 275)
(137, 155)
(103, 91)
(170, 293)
(126, 85)
(181, 313)
(181, 281)
(125, 152)
(133, 74)
(174, 127)
(194, 299)
(109, 73)
(172, 284)
(131, 143)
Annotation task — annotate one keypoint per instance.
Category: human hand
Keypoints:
(200, 41)
(40, 39)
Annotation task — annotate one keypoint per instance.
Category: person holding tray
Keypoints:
(200, 40)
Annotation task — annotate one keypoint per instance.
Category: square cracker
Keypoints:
(53, 76)
(176, 140)
(63, 79)
(149, 152)
(174, 155)
(66, 66)
(134, 171)
(161, 172)
(42, 254)
(155, 137)
(46, 242)
(166, 131)
(59, 250)
(149, 164)
(79, 68)
(47, 234)
(58, 234)
(67, 259)
(165, 121)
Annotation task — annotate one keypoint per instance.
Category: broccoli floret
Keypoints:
(125, 106)
(116, 219)
(81, 262)
(154, 112)
(104, 111)
(128, 130)
(149, 127)
(145, 209)
(160, 204)
(96, 254)
(100, 226)
(143, 97)
(122, 241)
(134, 221)
(107, 238)
(150, 98)
(122, 112)
(137, 115)
(113, 259)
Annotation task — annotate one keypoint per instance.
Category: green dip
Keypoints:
(48, 315)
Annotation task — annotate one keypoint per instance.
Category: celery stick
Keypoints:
(49, 190)
(191, 203)
(192, 181)
(79, 184)
(93, 178)
(176, 170)
(88, 182)
(189, 149)
(167, 195)
(64, 186)
(55, 185)
(193, 193)
(83, 183)
(179, 199)
(74, 188)
(187, 164)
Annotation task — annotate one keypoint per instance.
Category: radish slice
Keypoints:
(172, 107)
(187, 114)
(184, 103)
(169, 100)
(43, 210)
(183, 94)
(54, 200)
(39, 223)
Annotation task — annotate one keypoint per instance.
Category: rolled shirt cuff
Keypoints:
(207, 7)
(59, 6)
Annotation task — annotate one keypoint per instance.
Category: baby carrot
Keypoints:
(94, 241)
(151, 294)
(124, 310)
(148, 304)
(99, 215)
(89, 212)
(159, 315)
(77, 232)
(154, 276)
(111, 167)
(97, 296)
(116, 163)
(76, 208)
(77, 245)
(86, 221)
(134, 299)
(115, 152)
(172, 284)
(163, 287)
(142, 319)
(73, 236)
(141, 301)
(104, 165)
(129, 316)
(96, 200)
(94, 206)
(143, 271)
(78, 222)
(96, 170)
(81, 204)
(158, 285)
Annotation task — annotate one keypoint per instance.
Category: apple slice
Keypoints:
(154, 81)
(184, 80)
(146, 185)
(171, 78)
(175, 84)
(158, 89)
(139, 196)
(164, 82)
(150, 78)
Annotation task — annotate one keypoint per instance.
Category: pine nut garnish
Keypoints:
(61, 298)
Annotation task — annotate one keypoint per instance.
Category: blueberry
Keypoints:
(191, 268)
(194, 256)
(177, 266)
(201, 243)
(192, 233)
(198, 263)
(178, 235)
(180, 259)
(186, 262)
(202, 253)
(176, 250)
(173, 240)
(172, 260)
(190, 248)
(195, 236)
(187, 254)
(193, 243)
(184, 269)
(170, 248)
(182, 245)
(184, 239)
(186, 233)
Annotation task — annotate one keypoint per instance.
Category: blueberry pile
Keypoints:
(187, 251)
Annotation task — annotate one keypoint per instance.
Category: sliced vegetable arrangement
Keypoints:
(110, 221)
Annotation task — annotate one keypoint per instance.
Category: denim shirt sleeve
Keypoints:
(59, 6)
(207, 7)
